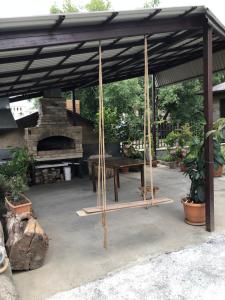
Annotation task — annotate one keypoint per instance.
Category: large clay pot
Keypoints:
(19, 208)
(194, 213)
(219, 171)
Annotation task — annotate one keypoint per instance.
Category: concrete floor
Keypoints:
(76, 255)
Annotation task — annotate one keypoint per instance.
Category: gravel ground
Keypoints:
(193, 273)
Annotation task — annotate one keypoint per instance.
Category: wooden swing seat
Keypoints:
(117, 206)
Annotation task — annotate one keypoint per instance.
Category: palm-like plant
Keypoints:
(218, 134)
(195, 169)
(195, 161)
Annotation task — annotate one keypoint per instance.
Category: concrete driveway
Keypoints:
(76, 255)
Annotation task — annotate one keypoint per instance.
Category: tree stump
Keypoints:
(7, 287)
(27, 243)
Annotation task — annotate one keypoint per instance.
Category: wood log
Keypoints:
(7, 287)
(27, 242)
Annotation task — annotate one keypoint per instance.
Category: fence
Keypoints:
(162, 130)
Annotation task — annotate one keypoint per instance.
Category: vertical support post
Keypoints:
(74, 101)
(74, 105)
(154, 110)
(208, 111)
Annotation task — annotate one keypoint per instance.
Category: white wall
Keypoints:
(23, 108)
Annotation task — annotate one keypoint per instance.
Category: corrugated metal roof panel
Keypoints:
(32, 76)
(59, 48)
(79, 58)
(189, 70)
(9, 67)
(8, 79)
(14, 53)
(45, 62)
(64, 71)
(23, 23)
(40, 26)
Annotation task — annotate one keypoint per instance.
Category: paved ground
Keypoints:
(192, 274)
(76, 256)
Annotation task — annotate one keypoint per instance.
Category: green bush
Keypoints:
(14, 173)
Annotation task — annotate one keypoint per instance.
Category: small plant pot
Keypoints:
(183, 168)
(172, 164)
(194, 213)
(20, 208)
(218, 172)
(154, 163)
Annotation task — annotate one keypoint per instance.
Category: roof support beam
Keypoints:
(113, 15)
(31, 39)
(58, 22)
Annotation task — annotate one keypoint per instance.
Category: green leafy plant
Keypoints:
(17, 186)
(218, 135)
(176, 142)
(195, 169)
(171, 139)
(19, 164)
(129, 151)
(167, 158)
(14, 173)
(195, 162)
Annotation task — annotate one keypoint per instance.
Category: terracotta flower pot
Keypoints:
(219, 171)
(194, 213)
(154, 163)
(183, 168)
(20, 208)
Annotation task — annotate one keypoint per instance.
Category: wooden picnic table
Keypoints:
(118, 163)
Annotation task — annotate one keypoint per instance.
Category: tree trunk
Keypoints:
(7, 287)
(27, 243)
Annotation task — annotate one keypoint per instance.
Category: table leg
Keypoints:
(93, 177)
(118, 178)
(115, 185)
(142, 176)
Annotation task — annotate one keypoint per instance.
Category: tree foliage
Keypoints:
(123, 108)
(151, 3)
(182, 102)
(67, 7)
(98, 5)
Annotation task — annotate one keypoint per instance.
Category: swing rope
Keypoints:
(101, 198)
(102, 207)
(147, 128)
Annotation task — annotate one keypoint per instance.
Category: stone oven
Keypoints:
(54, 137)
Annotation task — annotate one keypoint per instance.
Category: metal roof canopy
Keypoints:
(37, 53)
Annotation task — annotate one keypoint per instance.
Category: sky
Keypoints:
(14, 8)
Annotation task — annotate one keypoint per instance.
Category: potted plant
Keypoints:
(15, 199)
(14, 178)
(218, 134)
(219, 160)
(176, 142)
(194, 203)
(128, 151)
